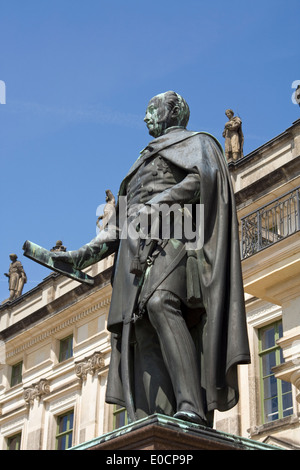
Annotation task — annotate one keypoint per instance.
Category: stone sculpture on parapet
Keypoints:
(59, 246)
(108, 211)
(16, 278)
(234, 138)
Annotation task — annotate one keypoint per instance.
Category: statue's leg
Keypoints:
(152, 384)
(179, 352)
(20, 287)
(12, 294)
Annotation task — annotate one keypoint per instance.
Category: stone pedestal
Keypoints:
(158, 432)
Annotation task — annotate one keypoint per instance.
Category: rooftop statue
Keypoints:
(108, 212)
(177, 315)
(234, 138)
(59, 246)
(16, 278)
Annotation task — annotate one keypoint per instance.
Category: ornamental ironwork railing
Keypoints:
(270, 223)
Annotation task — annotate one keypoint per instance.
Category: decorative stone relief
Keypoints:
(37, 391)
(89, 365)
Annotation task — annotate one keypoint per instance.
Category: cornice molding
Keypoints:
(62, 325)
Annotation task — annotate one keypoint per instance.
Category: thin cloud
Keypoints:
(92, 113)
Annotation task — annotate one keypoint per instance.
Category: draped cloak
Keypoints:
(224, 338)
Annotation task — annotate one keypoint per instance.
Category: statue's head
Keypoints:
(166, 110)
(109, 195)
(13, 257)
(229, 113)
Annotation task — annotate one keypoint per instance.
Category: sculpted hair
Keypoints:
(174, 99)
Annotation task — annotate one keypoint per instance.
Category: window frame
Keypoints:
(277, 325)
(18, 437)
(16, 374)
(69, 352)
(118, 410)
(68, 432)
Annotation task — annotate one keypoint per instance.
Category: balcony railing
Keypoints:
(270, 223)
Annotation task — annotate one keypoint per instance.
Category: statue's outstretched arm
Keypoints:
(70, 263)
(100, 247)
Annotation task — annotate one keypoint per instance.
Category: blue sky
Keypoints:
(79, 75)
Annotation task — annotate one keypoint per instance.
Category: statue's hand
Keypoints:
(61, 261)
(64, 256)
(76, 258)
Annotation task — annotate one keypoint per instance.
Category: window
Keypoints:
(14, 442)
(64, 432)
(66, 348)
(120, 416)
(276, 394)
(16, 374)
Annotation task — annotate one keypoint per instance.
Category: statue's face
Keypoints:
(158, 116)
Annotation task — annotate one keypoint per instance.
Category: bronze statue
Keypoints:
(177, 315)
(17, 277)
(234, 138)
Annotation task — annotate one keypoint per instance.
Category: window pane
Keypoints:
(120, 416)
(286, 386)
(288, 412)
(120, 419)
(69, 441)
(271, 409)
(66, 348)
(270, 387)
(16, 374)
(268, 361)
(63, 422)
(61, 443)
(64, 431)
(281, 356)
(71, 418)
(268, 338)
(287, 404)
(277, 401)
(14, 442)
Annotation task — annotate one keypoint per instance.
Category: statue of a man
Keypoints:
(177, 315)
(17, 277)
(234, 138)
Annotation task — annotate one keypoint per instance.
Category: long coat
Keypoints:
(224, 339)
